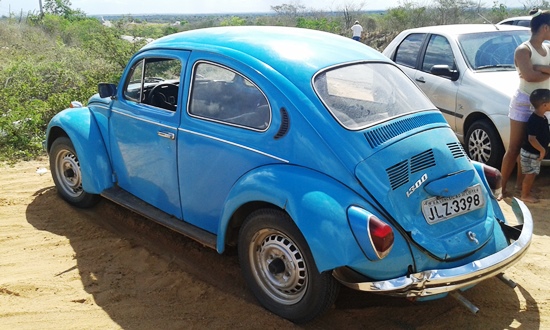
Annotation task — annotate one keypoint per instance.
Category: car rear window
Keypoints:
(362, 94)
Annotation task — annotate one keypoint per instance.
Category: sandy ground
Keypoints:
(107, 268)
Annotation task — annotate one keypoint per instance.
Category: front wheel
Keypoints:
(279, 268)
(483, 144)
(67, 175)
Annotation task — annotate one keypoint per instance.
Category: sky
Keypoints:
(134, 7)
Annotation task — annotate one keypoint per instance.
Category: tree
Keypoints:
(407, 15)
(455, 11)
(62, 8)
(529, 4)
(499, 12)
(289, 10)
(351, 12)
(233, 21)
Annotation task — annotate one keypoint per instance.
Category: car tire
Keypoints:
(67, 175)
(483, 144)
(280, 270)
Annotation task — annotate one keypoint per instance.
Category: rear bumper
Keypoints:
(438, 281)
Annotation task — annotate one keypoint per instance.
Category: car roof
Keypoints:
(458, 29)
(290, 51)
(517, 18)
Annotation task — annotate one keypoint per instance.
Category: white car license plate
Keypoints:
(438, 209)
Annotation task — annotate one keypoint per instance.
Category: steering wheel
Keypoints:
(164, 95)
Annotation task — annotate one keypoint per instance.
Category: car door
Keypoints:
(223, 136)
(143, 129)
(417, 55)
(441, 89)
(408, 53)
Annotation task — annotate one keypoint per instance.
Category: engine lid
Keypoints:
(431, 189)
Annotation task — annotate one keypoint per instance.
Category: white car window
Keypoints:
(438, 52)
(408, 51)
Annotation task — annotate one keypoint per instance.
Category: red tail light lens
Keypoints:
(494, 179)
(381, 236)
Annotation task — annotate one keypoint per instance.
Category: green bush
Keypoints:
(52, 59)
(40, 76)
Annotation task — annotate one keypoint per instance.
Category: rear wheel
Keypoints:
(67, 175)
(483, 143)
(279, 268)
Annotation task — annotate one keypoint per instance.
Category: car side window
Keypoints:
(438, 52)
(408, 51)
(132, 88)
(223, 95)
(154, 81)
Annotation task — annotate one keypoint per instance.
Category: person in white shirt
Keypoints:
(357, 29)
(532, 60)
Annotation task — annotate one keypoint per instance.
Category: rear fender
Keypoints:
(81, 127)
(317, 204)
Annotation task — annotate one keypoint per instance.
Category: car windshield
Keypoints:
(492, 50)
(362, 94)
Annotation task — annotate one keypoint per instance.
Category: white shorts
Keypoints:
(520, 107)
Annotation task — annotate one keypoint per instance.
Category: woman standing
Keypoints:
(532, 60)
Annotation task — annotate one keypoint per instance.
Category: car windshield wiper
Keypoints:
(498, 66)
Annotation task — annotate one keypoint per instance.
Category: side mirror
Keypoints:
(106, 90)
(445, 71)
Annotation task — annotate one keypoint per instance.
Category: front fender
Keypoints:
(81, 127)
(317, 203)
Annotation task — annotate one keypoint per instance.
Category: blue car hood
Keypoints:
(422, 166)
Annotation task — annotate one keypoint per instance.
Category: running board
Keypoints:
(131, 202)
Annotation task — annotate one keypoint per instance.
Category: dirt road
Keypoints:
(107, 268)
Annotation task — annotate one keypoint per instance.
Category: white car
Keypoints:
(468, 72)
(519, 21)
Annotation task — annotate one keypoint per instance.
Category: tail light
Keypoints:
(381, 236)
(494, 179)
(375, 237)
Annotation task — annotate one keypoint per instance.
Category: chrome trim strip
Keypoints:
(142, 119)
(234, 144)
(432, 282)
(451, 113)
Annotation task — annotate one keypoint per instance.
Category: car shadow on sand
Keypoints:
(539, 210)
(146, 276)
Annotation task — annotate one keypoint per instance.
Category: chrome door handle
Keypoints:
(167, 135)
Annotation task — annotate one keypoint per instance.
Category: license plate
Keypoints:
(438, 209)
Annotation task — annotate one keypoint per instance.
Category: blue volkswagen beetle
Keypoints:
(313, 154)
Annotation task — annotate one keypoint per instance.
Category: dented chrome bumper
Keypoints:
(432, 282)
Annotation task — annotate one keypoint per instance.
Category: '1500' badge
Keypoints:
(417, 184)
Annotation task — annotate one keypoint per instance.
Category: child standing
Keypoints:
(533, 149)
